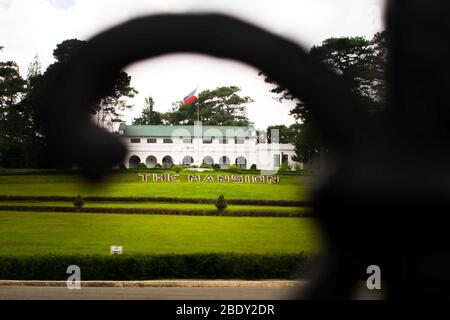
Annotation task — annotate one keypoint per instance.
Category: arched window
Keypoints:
(134, 162)
(208, 160)
(241, 163)
(224, 162)
(188, 161)
(167, 162)
(151, 162)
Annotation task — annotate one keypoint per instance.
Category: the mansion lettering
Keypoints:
(196, 178)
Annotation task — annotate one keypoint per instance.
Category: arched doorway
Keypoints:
(241, 163)
(134, 162)
(167, 162)
(224, 162)
(151, 162)
(188, 161)
(208, 160)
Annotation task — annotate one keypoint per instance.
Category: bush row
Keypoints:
(22, 172)
(280, 203)
(31, 172)
(158, 266)
(156, 211)
(293, 173)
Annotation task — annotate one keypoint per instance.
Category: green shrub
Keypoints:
(178, 168)
(158, 166)
(158, 266)
(253, 167)
(78, 202)
(285, 167)
(141, 166)
(234, 169)
(216, 166)
(221, 203)
(206, 166)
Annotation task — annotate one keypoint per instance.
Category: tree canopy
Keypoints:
(360, 62)
(15, 118)
(285, 134)
(148, 115)
(220, 106)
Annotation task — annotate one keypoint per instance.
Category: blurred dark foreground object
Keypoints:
(384, 198)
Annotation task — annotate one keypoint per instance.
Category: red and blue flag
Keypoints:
(191, 97)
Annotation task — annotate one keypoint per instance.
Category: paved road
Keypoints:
(95, 293)
(55, 293)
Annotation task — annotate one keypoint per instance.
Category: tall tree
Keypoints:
(355, 59)
(12, 127)
(221, 106)
(35, 68)
(380, 45)
(148, 115)
(110, 108)
(11, 84)
(33, 137)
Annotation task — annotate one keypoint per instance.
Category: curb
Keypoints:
(162, 284)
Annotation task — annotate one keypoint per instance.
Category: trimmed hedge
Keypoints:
(159, 211)
(32, 172)
(26, 172)
(293, 173)
(281, 203)
(158, 266)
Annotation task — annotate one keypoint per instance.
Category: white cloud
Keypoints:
(29, 27)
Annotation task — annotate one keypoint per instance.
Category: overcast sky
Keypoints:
(30, 27)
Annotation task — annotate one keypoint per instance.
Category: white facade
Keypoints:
(195, 145)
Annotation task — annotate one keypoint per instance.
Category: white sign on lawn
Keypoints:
(116, 249)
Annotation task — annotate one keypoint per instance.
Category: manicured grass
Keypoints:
(157, 205)
(23, 233)
(293, 188)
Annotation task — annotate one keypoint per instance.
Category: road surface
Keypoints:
(155, 293)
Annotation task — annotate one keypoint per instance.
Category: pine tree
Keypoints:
(221, 204)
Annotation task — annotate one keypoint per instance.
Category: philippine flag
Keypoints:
(191, 97)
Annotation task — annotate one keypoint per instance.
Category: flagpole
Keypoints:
(198, 105)
(198, 111)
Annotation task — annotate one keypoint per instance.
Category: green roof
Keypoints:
(184, 131)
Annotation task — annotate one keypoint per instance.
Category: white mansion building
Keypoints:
(196, 144)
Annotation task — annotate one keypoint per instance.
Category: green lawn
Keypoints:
(56, 233)
(130, 185)
(29, 233)
(156, 205)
